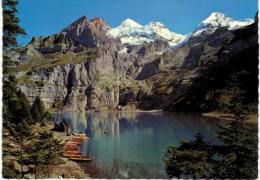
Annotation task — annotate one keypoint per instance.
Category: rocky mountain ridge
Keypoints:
(85, 67)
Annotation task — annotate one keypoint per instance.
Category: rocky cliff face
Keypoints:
(85, 67)
(208, 63)
(64, 66)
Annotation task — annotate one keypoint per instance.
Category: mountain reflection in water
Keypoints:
(131, 144)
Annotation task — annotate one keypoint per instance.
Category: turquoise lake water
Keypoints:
(131, 144)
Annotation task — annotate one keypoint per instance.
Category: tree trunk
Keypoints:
(236, 152)
(35, 170)
(21, 157)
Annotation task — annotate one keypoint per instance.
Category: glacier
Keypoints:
(132, 33)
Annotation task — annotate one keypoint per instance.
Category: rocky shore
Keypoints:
(61, 168)
(69, 169)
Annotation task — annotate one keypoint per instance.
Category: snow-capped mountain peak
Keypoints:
(131, 32)
(217, 19)
(156, 24)
(162, 31)
(130, 23)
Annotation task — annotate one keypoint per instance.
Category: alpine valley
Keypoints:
(91, 66)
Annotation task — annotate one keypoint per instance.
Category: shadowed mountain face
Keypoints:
(88, 65)
(206, 69)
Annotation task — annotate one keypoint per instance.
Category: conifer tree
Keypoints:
(10, 101)
(38, 110)
(239, 148)
(43, 151)
(16, 106)
(11, 27)
(191, 159)
(237, 153)
(22, 131)
(25, 108)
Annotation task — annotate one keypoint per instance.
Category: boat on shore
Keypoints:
(71, 148)
(81, 158)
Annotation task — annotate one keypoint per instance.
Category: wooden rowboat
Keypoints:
(71, 152)
(68, 147)
(71, 155)
(83, 158)
(77, 156)
(71, 148)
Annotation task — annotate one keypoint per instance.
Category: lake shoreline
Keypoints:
(133, 110)
(115, 144)
(252, 118)
(78, 172)
(222, 116)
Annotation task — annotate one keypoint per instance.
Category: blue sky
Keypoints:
(45, 17)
